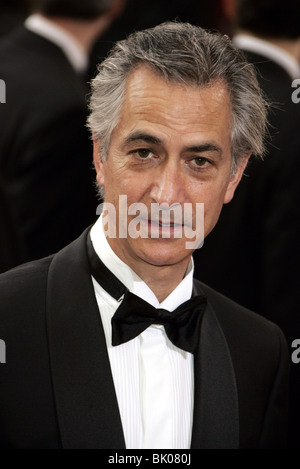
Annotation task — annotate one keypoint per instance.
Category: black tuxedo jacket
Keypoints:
(56, 387)
(47, 196)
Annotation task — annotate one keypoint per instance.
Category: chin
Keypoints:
(163, 253)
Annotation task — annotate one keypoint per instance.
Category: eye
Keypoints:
(200, 162)
(144, 153)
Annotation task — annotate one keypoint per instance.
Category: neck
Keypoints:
(161, 279)
(84, 32)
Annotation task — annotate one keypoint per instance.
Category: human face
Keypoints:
(171, 146)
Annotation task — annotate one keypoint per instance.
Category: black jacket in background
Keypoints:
(46, 180)
(252, 255)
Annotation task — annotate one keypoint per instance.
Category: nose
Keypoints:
(168, 187)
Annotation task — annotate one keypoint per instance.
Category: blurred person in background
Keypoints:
(253, 254)
(47, 193)
(144, 14)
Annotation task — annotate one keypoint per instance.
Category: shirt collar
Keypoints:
(72, 49)
(265, 48)
(131, 280)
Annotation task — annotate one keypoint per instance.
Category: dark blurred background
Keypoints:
(12, 13)
(141, 14)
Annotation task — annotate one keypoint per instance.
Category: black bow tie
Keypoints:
(134, 315)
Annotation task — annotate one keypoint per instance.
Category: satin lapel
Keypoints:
(87, 409)
(216, 416)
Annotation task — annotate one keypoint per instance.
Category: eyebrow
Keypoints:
(138, 136)
(142, 136)
(205, 147)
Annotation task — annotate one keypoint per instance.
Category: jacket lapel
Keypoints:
(216, 417)
(87, 409)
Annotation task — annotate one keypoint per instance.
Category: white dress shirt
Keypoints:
(270, 51)
(154, 380)
(72, 49)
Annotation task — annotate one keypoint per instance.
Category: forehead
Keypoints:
(151, 100)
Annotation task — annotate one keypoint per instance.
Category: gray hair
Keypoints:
(186, 54)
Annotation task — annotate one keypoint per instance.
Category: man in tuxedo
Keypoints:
(111, 343)
(45, 201)
(253, 254)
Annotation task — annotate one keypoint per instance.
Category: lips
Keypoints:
(160, 217)
(170, 224)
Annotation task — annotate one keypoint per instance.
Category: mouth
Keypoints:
(163, 224)
(164, 229)
(160, 224)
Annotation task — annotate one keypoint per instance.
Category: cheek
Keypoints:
(123, 184)
(137, 187)
(112, 176)
(213, 200)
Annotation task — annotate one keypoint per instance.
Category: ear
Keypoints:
(235, 179)
(98, 162)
